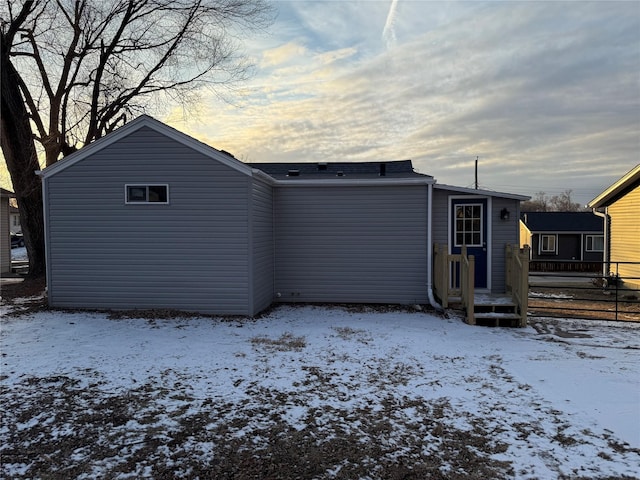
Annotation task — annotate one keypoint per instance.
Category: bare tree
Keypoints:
(563, 203)
(74, 70)
(539, 203)
(558, 203)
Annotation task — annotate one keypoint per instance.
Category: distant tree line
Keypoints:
(541, 202)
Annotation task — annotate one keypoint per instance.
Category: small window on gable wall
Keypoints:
(147, 193)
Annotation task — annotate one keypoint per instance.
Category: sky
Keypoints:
(545, 94)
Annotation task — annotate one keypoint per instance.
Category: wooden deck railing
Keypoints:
(453, 278)
(517, 278)
(454, 274)
(467, 284)
(441, 283)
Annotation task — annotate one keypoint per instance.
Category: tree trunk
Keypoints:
(20, 154)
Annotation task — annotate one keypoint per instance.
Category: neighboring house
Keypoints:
(5, 232)
(14, 219)
(148, 217)
(620, 206)
(563, 241)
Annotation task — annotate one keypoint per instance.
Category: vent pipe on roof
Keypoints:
(383, 169)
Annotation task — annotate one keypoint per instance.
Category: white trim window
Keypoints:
(548, 243)
(595, 243)
(146, 193)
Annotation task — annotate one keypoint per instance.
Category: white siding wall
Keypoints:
(351, 244)
(191, 254)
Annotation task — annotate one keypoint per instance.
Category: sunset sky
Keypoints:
(545, 93)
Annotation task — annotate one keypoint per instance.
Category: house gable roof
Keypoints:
(625, 184)
(135, 125)
(579, 222)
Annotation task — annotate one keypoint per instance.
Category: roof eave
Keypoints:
(133, 126)
(353, 182)
(627, 180)
(491, 193)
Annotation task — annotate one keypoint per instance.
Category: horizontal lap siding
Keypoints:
(503, 232)
(188, 255)
(625, 234)
(262, 245)
(440, 217)
(5, 239)
(351, 244)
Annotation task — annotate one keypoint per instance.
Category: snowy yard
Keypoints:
(19, 253)
(316, 392)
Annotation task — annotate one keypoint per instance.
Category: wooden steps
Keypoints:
(495, 311)
(454, 286)
(20, 266)
(492, 311)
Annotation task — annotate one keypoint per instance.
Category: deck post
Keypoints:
(517, 279)
(509, 268)
(524, 285)
(471, 290)
(467, 275)
(441, 274)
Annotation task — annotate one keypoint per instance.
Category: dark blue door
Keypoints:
(469, 227)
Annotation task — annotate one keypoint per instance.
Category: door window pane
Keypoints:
(468, 225)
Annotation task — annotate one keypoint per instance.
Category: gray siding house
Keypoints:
(563, 241)
(5, 235)
(148, 218)
(351, 244)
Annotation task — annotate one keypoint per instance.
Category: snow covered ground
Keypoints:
(317, 392)
(19, 253)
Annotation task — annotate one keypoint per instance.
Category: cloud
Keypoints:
(388, 32)
(332, 56)
(290, 51)
(531, 88)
